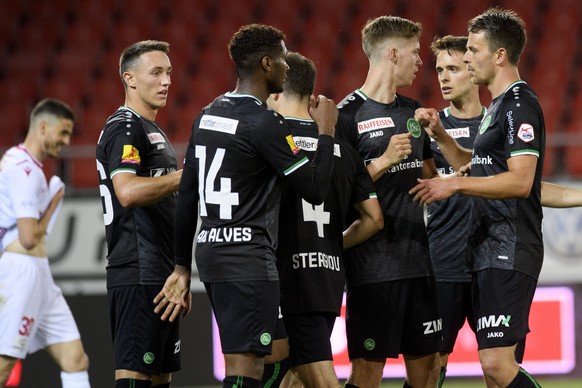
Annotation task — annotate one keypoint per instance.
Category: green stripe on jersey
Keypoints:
(296, 166)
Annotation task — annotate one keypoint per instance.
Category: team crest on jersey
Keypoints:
(375, 124)
(413, 127)
(484, 124)
(292, 144)
(130, 155)
(526, 133)
(156, 137)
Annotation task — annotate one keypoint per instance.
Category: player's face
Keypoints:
(152, 78)
(453, 75)
(58, 133)
(408, 61)
(279, 73)
(479, 58)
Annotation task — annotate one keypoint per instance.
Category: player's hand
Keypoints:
(175, 297)
(398, 148)
(428, 191)
(465, 170)
(429, 119)
(324, 111)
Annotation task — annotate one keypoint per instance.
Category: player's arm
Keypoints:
(398, 148)
(370, 222)
(559, 196)
(31, 231)
(134, 191)
(175, 299)
(429, 169)
(456, 155)
(514, 183)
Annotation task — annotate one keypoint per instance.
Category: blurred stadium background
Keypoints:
(69, 49)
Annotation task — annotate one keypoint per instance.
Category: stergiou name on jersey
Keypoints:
(316, 260)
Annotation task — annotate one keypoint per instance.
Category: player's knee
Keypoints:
(492, 366)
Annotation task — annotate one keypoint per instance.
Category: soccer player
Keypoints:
(33, 313)
(138, 180)
(505, 183)
(448, 220)
(309, 255)
(237, 155)
(391, 291)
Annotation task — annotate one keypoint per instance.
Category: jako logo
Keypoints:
(493, 321)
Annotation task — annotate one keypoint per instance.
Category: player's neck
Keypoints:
(253, 88)
(467, 107)
(503, 79)
(142, 109)
(379, 86)
(34, 147)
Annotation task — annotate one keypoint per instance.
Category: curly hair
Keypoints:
(251, 43)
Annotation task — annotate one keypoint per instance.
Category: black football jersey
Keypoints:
(237, 156)
(309, 255)
(507, 234)
(140, 239)
(448, 220)
(401, 250)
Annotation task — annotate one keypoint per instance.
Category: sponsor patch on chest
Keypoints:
(375, 124)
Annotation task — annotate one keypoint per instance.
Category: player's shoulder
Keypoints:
(352, 102)
(520, 97)
(18, 159)
(122, 121)
(407, 102)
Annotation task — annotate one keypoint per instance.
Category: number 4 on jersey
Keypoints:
(225, 198)
(317, 214)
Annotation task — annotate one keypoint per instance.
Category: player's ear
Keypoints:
(501, 55)
(129, 79)
(266, 63)
(393, 54)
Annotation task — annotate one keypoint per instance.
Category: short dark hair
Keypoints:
(504, 28)
(251, 43)
(131, 53)
(301, 75)
(52, 107)
(377, 30)
(448, 43)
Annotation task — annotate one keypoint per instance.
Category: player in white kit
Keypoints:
(33, 312)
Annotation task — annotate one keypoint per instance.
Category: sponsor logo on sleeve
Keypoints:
(526, 133)
(292, 144)
(130, 155)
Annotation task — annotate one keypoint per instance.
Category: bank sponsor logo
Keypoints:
(375, 124)
(406, 166)
(476, 159)
(458, 132)
(219, 124)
